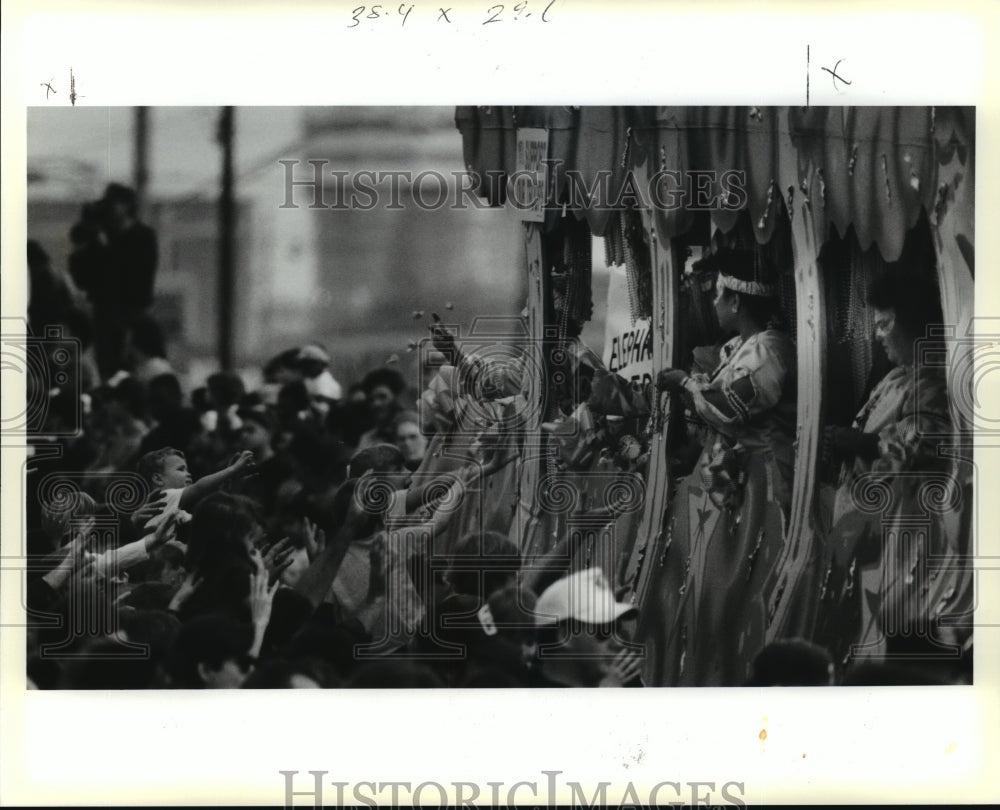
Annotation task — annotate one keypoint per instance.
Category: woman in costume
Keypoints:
(725, 524)
(888, 454)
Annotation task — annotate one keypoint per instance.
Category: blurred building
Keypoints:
(350, 278)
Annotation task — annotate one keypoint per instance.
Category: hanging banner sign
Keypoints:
(628, 346)
(527, 189)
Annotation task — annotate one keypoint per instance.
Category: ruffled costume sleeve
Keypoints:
(912, 442)
(751, 383)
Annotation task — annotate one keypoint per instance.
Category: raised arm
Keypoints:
(416, 493)
(261, 602)
(74, 556)
(755, 384)
(124, 557)
(315, 583)
(242, 464)
(440, 518)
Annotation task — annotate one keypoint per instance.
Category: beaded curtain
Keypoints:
(625, 244)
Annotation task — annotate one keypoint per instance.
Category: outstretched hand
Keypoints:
(163, 532)
(443, 340)
(149, 510)
(190, 584)
(315, 539)
(491, 450)
(82, 537)
(625, 666)
(242, 463)
(277, 557)
(499, 458)
(83, 572)
(261, 593)
(77, 562)
(377, 568)
(848, 442)
(671, 379)
(82, 561)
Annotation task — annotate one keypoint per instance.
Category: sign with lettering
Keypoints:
(527, 190)
(628, 346)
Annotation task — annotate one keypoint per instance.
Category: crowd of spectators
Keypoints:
(300, 532)
(218, 535)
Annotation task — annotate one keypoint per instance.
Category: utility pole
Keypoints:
(140, 167)
(227, 216)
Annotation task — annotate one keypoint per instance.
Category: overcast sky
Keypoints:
(76, 151)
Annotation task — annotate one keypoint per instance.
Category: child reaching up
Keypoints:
(167, 472)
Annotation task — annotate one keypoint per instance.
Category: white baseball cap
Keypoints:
(585, 596)
(313, 351)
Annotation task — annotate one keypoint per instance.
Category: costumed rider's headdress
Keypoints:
(742, 271)
(748, 287)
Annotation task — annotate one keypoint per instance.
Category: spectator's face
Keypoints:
(174, 474)
(380, 400)
(286, 374)
(725, 306)
(583, 655)
(312, 368)
(173, 574)
(254, 436)
(117, 215)
(163, 402)
(255, 538)
(395, 478)
(283, 439)
(411, 441)
(898, 345)
(230, 675)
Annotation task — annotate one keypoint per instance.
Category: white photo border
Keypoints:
(843, 744)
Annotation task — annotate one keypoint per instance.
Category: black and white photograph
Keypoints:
(499, 397)
(410, 404)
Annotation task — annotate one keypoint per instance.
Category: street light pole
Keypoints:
(140, 168)
(226, 237)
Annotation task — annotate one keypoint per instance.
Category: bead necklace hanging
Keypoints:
(637, 265)
(860, 318)
(631, 275)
